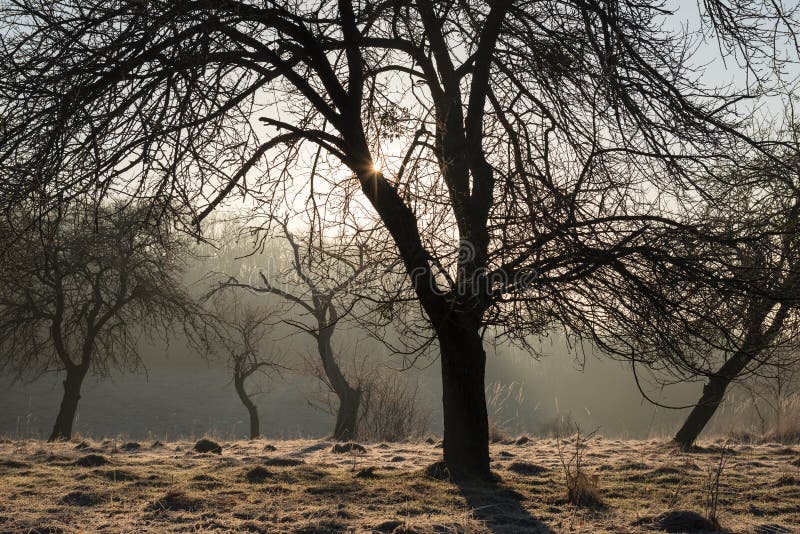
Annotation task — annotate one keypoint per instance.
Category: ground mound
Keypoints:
(348, 448)
(257, 474)
(283, 462)
(206, 445)
(680, 521)
(177, 500)
(91, 460)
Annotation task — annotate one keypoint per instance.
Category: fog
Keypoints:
(179, 393)
(183, 395)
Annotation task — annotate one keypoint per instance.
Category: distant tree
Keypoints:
(79, 286)
(319, 285)
(241, 335)
(533, 162)
(759, 328)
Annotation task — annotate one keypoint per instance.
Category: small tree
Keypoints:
(76, 289)
(318, 285)
(241, 336)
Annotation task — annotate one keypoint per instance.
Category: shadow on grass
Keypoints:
(500, 508)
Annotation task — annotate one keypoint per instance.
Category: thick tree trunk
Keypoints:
(712, 396)
(347, 415)
(252, 409)
(701, 414)
(466, 425)
(62, 430)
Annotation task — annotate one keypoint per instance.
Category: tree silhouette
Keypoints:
(762, 323)
(322, 285)
(241, 334)
(78, 286)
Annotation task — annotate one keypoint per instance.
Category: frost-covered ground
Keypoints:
(303, 486)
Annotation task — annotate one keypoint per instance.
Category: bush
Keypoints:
(391, 410)
(582, 487)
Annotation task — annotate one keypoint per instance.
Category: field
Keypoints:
(304, 486)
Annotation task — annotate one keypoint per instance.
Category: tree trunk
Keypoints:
(701, 414)
(346, 427)
(756, 340)
(713, 393)
(347, 415)
(252, 409)
(62, 430)
(466, 425)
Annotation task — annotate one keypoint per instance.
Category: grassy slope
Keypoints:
(170, 488)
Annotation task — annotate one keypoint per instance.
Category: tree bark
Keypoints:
(704, 410)
(252, 409)
(466, 426)
(347, 415)
(346, 427)
(62, 429)
(713, 393)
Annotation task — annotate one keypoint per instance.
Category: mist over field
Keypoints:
(184, 396)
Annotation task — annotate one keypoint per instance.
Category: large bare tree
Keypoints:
(79, 286)
(532, 161)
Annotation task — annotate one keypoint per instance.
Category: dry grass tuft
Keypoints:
(81, 498)
(583, 490)
(367, 472)
(438, 471)
(348, 448)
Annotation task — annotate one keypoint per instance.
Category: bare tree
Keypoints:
(318, 284)
(762, 324)
(78, 286)
(533, 162)
(242, 335)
